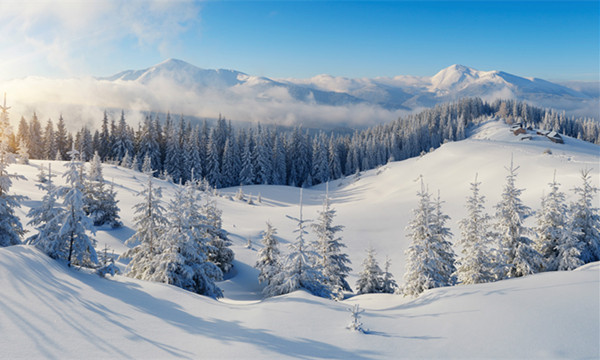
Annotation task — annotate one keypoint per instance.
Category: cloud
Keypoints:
(66, 38)
(83, 100)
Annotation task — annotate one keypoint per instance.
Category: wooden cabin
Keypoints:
(555, 137)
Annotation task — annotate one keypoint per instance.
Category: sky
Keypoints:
(300, 39)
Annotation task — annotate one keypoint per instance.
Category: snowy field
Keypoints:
(50, 311)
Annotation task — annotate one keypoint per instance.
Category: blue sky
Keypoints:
(551, 40)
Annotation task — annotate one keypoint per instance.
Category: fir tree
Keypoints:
(519, 255)
(388, 283)
(268, 262)
(585, 220)
(219, 252)
(428, 261)
(46, 220)
(300, 269)
(369, 279)
(75, 223)
(475, 264)
(100, 203)
(552, 226)
(333, 262)
(11, 229)
(149, 222)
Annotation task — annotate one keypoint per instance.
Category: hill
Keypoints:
(55, 312)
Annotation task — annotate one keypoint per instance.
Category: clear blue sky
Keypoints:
(551, 40)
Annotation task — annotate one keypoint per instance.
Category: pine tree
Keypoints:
(181, 259)
(333, 262)
(61, 138)
(388, 283)
(49, 141)
(149, 222)
(46, 220)
(219, 253)
(475, 264)
(519, 255)
(552, 226)
(369, 279)
(268, 262)
(247, 172)
(443, 246)
(300, 269)
(11, 229)
(23, 152)
(75, 223)
(428, 262)
(585, 220)
(100, 204)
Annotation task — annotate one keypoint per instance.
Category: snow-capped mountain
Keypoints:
(323, 101)
(400, 92)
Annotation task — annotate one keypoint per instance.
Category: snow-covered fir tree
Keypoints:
(11, 229)
(23, 152)
(100, 203)
(220, 254)
(46, 221)
(300, 269)
(149, 223)
(585, 219)
(552, 226)
(268, 262)
(443, 246)
(428, 262)
(334, 263)
(388, 283)
(517, 249)
(75, 224)
(369, 279)
(181, 258)
(476, 263)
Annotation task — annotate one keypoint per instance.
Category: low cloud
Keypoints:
(82, 101)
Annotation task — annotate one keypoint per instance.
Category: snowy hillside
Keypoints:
(323, 101)
(55, 312)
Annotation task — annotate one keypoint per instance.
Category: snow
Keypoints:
(50, 311)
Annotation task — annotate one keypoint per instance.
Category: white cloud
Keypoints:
(66, 38)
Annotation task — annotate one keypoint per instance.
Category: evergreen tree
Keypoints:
(11, 229)
(181, 259)
(213, 167)
(475, 264)
(219, 252)
(100, 204)
(585, 220)
(552, 226)
(428, 262)
(300, 270)
(519, 255)
(369, 279)
(75, 223)
(35, 138)
(443, 246)
(46, 220)
(49, 141)
(388, 283)
(61, 138)
(149, 222)
(333, 262)
(23, 152)
(268, 257)
(247, 172)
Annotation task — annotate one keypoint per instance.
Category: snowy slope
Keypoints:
(55, 312)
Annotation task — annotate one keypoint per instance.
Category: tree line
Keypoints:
(227, 156)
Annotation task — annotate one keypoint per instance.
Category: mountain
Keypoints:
(320, 102)
(52, 311)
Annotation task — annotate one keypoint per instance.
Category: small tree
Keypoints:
(369, 279)
(300, 269)
(333, 262)
(268, 257)
(519, 255)
(46, 220)
(429, 260)
(100, 203)
(75, 223)
(585, 220)
(149, 221)
(355, 324)
(475, 264)
(551, 227)
(388, 283)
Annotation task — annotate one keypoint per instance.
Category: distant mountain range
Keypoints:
(400, 92)
(321, 101)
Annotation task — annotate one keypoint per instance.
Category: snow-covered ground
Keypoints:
(51, 311)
